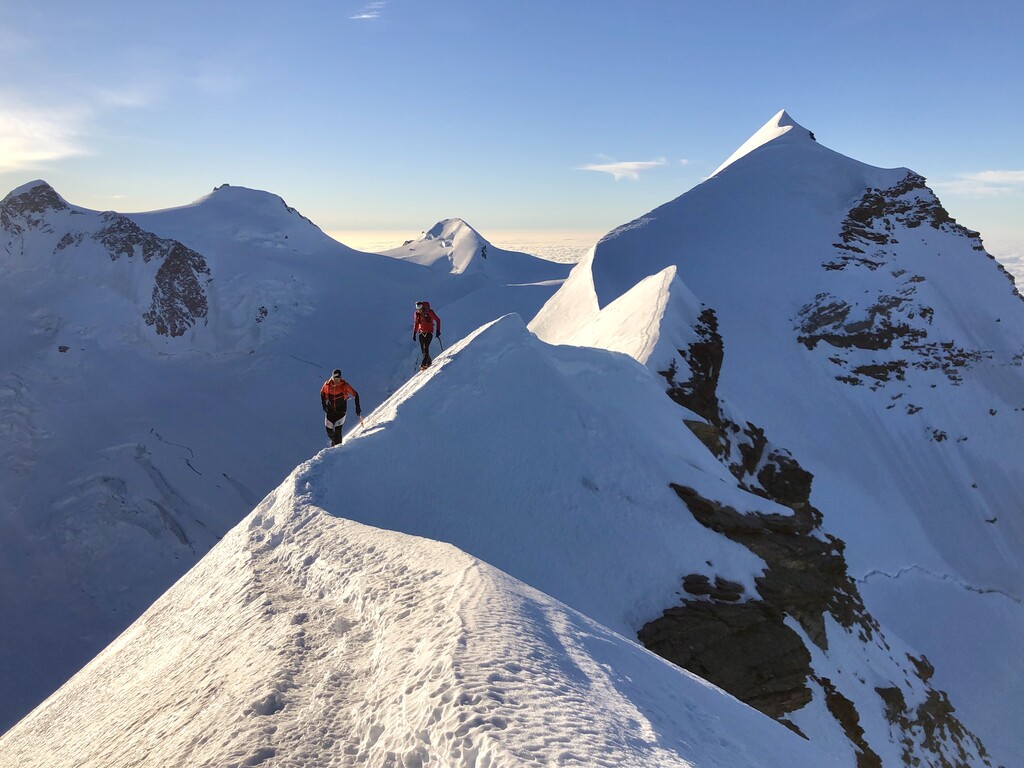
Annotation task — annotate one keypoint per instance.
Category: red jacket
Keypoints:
(423, 320)
(332, 393)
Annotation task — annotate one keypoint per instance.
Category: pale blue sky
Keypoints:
(394, 114)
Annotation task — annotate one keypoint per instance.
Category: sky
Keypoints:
(525, 117)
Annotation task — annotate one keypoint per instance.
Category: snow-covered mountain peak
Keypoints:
(453, 246)
(36, 188)
(458, 241)
(227, 197)
(30, 203)
(452, 229)
(781, 125)
(242, 217)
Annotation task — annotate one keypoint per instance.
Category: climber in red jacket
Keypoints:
(334, 395)
(423, 327)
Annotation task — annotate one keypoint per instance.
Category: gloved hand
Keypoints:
(414, 337)
(439, 334)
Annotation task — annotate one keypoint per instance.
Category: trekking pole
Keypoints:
(361, 424)
(439, 342)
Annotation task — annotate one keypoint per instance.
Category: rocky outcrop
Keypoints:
(179, 296)
(38, 199)
(179, 290)
(123, 238)
(760, 467)
(745, 649)
(703, 361)
(745, 643)
(876, 218)
(929, 725)
(892, 319)
(26, 208)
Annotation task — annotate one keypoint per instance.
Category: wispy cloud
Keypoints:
(626, 170)
(33, 135)
(126, 97)
(982, 184)
(369, 11)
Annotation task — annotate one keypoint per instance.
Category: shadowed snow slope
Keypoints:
(872, 336)
(309, 641)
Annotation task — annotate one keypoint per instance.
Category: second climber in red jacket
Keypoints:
(423, 329)
(334, 395)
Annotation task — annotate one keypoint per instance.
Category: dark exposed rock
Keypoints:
(933, 727)
(744, 648)
(806, 576)
(179, 292)
(894, 319)
(922, 667)
(710, 435)
(722, 589)
(760, 467)
(895, 369)
(697, 584)
(886, 324)
(27, 209)
(747, 648)
(69, 240)
(742, 642)
(122, 237)
(909, 203)
(845, 713)
(703, 359)
(833, 321)
(179, 298)
(38, 199)
(179, 295)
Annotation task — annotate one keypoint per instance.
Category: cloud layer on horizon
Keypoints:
(625, 170)
(982, 183)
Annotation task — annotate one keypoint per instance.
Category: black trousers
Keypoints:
(425, 339)
(334, 420)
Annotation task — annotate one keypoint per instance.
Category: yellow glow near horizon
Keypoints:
(381, 240)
